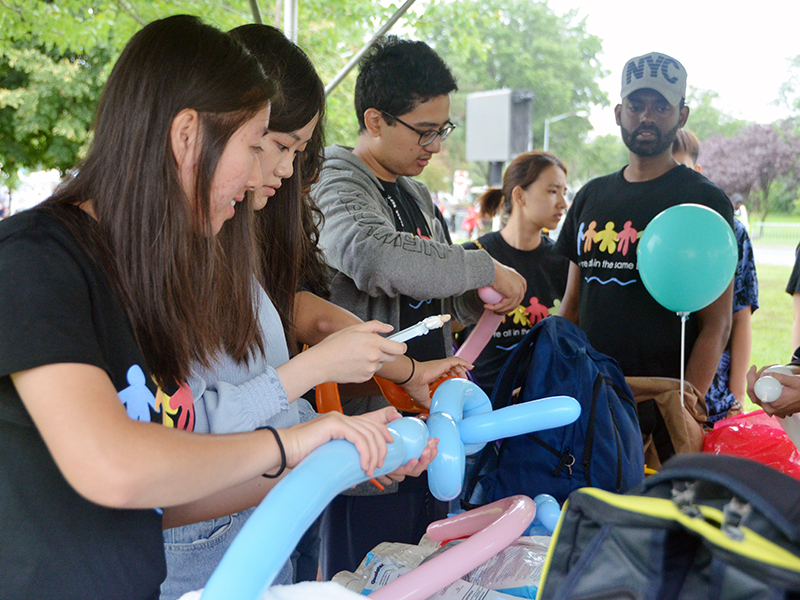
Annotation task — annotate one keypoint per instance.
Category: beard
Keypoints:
(661, 143)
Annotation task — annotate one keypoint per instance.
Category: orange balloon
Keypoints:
(327, 397)
(398, 397)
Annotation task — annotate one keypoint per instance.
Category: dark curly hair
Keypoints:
(396, 75)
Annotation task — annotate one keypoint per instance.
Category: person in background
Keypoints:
(532, 199)
(605, 295)
(727, 391)
(740, 210)
(392, 261)
(793, 289)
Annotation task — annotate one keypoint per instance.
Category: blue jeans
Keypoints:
(194, 551)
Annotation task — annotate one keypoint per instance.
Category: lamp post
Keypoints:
(547, 122)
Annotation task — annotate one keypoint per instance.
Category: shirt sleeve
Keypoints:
(223, 407)
(45, 307)
(745, 287)
(793, 285)
(360, 240)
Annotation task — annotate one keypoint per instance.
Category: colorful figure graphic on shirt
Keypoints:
(607, 238)
(627, 236)
(137, 398)
(520, 316)
(536, 311)
(178, 409)
(589, 236)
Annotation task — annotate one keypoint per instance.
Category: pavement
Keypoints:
(774, 255)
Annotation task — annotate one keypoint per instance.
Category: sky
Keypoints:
(739, 50)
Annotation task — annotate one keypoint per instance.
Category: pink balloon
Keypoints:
(495, 526)
(484, 329)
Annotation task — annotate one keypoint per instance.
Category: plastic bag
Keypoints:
(756, 436)
(513, 573)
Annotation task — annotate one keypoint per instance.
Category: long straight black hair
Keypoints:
(288, 227)
(184, 302)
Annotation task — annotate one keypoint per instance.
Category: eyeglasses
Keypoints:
(426, 137)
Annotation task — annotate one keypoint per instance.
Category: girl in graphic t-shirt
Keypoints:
(112, 289)
(533, 201)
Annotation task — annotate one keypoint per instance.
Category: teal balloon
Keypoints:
(687, 256)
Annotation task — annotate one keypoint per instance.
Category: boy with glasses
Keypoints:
(392, 260)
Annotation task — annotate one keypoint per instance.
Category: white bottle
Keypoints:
(768, 389)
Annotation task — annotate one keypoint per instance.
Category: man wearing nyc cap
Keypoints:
(605, 295)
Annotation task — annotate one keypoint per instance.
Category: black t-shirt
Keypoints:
(600, 235)
(545, 271)
(793, 285)
(409, 218)
(57, 307)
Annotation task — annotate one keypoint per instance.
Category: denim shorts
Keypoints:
(194, 551)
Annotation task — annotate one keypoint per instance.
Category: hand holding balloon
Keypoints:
(421, 386)
(769, 388)
(257, 553)
(510, 285)
(484, 329)
(776, 389)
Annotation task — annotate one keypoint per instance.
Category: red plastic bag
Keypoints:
(756, 436)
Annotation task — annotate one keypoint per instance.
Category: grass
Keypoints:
(772, 322)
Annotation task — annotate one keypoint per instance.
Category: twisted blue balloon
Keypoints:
(461, 417)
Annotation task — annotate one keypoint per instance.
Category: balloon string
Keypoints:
(683, 316)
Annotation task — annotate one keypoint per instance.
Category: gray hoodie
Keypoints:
(374, 264)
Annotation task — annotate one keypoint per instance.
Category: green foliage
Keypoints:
(790, 89)
(56, 55)
(54, 60)
(46, 106)
(706, 120)
(331, 32)
(604, 154)
(518, 44)
(772, 322)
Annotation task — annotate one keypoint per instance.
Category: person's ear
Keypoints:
(185, 138)
(684, 116)
(618, 113)
(373, 121)
(517, 195)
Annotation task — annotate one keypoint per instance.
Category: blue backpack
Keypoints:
(602, 449)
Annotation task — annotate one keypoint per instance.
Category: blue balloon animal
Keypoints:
(461, 417)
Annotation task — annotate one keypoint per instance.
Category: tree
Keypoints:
(760, 163)
(790, 89)
(55, 56)
(600, 156)
(706, 120)
(519, 44)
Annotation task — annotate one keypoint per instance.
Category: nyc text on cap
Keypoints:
(655, 71)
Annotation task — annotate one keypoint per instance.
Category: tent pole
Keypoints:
(256, 12)
(354, 61)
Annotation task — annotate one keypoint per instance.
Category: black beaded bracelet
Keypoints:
(413, 369)
(283, 454)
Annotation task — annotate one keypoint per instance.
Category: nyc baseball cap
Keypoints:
(655, 71)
